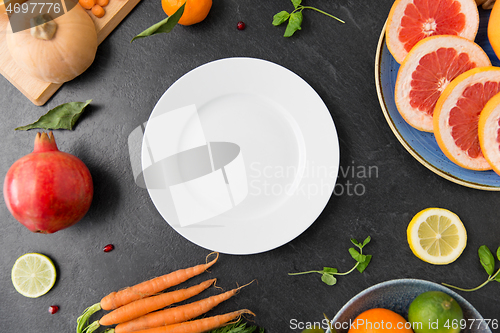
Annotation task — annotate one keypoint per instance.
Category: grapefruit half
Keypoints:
(410, 21)
(489, 132)
(456, 116)
(429, 67)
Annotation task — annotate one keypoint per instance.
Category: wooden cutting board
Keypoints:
(38, 91)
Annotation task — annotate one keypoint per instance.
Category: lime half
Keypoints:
(33, 274)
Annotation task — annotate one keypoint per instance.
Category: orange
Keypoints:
(379, 320)
(195, 11)
(456, 116)
(494, 28)
(426, 71)
(410, 21)
(489, 132)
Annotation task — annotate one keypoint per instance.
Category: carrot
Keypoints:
(177, 314)
(141, 290)
(199, 325)
(144, 306)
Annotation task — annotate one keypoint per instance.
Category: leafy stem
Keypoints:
(295, 17)
(488, 262)
(328, 273)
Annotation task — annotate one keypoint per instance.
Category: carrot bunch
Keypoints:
(134, 309)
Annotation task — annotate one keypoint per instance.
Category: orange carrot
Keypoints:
(199, 325)
(144, 306)
(141, 290)
(153, 286)
(176, 314)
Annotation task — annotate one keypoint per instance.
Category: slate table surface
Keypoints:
(125, 82)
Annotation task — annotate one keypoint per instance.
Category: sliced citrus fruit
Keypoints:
(489, 132)
(33, 275)
(429, 67)
(456, 116)
(436, 236)
(494, 28)
(410, 21)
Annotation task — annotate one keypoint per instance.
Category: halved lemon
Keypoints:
(437, 236)
(33, 274)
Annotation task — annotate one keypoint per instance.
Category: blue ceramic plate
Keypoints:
(423, 145)
(397, 295)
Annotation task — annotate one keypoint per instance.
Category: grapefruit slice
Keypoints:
(429, 67)
(410, 21)
(489, 132)
(456, 116)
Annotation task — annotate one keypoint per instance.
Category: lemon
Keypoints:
(33, 274)
(437, 236)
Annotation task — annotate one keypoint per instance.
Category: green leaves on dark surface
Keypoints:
(164, 26)
(63, 116)
(488, 262)
(328, 274)
(295, 17)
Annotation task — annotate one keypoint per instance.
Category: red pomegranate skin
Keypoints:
(48, 190)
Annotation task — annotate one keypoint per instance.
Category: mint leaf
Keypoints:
(356, 255)
(280, 17)
(164, 26)
(296, 3)
(63, 116)
(328, 279)
(330, 270)
(498, 253)
(487, 259)
(294, 24)
(362, 265)
(366, 241)
(355, 242)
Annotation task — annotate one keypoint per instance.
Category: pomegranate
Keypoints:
(48, 190)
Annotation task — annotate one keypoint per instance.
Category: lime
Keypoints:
(33, 274)
(435, 312)
(437, 236)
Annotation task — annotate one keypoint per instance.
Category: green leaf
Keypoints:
(296, 3)
(63, 116)
(487, 259)
(294, 24)
(238, 327)
(164, 26)
(328, 279)
(355, 242)
(366, 241)
(330, 270)
(280, 17)
(356, 255)
(498, 253)
(362, 265)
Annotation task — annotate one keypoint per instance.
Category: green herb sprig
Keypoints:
(328, 273)
(63, 116)
(488, 262)
(295, 17)
(164, 26)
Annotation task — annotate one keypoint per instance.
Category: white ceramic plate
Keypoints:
(277, 147)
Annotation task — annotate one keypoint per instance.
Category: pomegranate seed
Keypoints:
(108, 248)
(53, 309)
(241, 25)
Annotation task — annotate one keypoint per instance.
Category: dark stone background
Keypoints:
(125, 82)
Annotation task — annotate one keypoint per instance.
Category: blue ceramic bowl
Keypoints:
(397, 295)
(422, 145)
